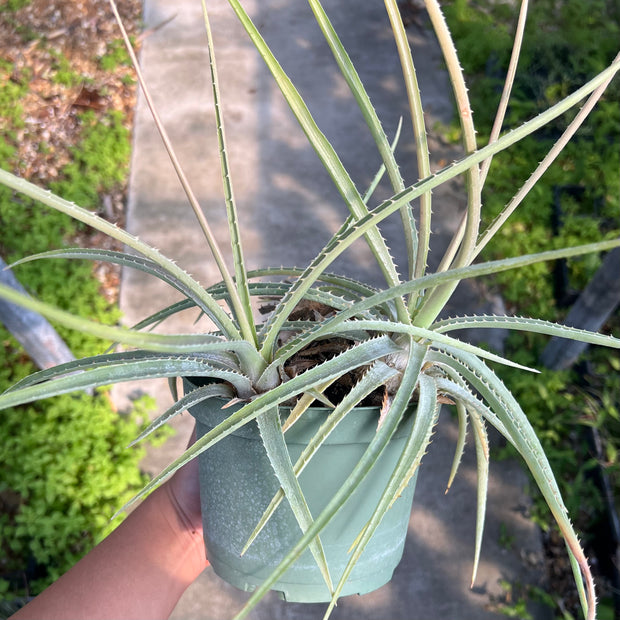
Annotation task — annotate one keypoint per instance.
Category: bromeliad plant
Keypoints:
(395, 340)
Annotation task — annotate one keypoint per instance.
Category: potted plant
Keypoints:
(246, 382)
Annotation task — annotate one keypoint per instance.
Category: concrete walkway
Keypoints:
(289, 209)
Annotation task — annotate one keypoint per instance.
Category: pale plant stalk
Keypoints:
(450, 253)
(419, 262)
(467, 240)
(465, 115)
(374, 124)
(543, 166)
(242, 304)
(240, 310)
(508, 83)
(326, 153)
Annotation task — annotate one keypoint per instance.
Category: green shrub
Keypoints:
(66, 471)
(100, 161)
(66, 466)
(115, 55)
(13, 5)
(12, 88)
(63, 72)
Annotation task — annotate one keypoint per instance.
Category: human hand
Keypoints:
(183, 490)
(142, 568)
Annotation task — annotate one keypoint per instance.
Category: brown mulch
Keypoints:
(36, 40)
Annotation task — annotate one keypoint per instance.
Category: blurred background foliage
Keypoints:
(577, 201)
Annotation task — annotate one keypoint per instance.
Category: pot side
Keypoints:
(237, 483)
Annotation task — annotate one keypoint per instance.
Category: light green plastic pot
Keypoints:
(237, 484)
